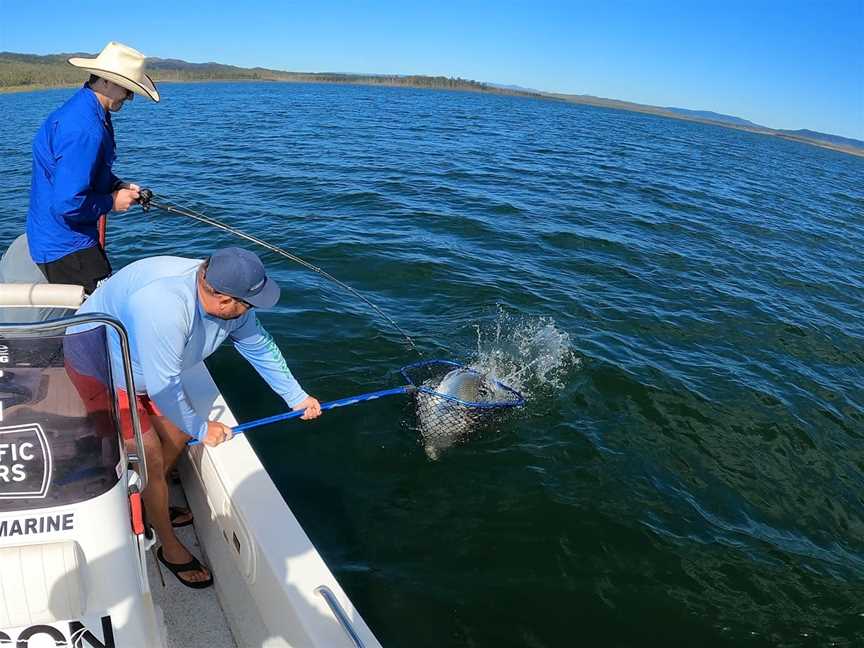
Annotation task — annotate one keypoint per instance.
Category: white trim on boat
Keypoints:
(268, 573)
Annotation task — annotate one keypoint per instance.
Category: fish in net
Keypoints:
(453, 401)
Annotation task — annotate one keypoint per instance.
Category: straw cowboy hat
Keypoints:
(122, 65)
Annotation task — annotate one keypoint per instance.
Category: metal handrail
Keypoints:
(340, 614)
(33, 329)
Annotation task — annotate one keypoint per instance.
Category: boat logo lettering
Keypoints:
(36, 524)
(77, 637)
(25, 462)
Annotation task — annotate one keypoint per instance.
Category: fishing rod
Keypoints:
(146, 201)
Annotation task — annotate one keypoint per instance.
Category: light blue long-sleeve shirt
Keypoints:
(156, 299)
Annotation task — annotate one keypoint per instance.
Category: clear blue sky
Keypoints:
(791, 64)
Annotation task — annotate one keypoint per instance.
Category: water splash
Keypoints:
(530, 354)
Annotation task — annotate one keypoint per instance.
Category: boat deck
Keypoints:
(191, 618)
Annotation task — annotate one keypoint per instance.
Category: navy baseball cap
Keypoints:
(239, 273)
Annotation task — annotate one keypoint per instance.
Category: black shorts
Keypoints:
(85, 268)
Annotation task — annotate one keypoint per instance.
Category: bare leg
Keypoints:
(156, 502)
(173, 443)
(173, 440)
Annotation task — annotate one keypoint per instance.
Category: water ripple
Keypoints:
(697, 473)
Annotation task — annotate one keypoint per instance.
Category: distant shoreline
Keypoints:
(586, 100)
(489, 90)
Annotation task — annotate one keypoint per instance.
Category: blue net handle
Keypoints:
(342, 402)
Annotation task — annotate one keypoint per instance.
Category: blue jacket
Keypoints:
(72, 179)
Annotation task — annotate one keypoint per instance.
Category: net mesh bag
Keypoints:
(453, 399)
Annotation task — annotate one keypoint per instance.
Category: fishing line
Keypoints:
(146, 202)
(450, 398)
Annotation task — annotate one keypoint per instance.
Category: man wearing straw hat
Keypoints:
(72, 185)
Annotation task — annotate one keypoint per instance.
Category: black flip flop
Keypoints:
(175, 512)
(192, 565)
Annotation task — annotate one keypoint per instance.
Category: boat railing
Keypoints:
(35, 329)
(330, 598)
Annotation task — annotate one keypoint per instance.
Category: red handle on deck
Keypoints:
(136, 511)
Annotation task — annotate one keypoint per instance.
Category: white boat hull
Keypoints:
(267, 572)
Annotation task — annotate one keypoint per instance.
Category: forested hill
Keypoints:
(22, 70)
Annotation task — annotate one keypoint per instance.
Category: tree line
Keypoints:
(22, 70)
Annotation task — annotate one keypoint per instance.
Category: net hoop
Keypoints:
(410, 373)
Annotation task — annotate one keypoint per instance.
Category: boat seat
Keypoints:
(41, 295)
(42, 583)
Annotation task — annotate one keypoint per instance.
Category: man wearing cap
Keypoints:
(177, 312)
(72, 184)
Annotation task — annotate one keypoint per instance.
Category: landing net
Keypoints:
(453, 399)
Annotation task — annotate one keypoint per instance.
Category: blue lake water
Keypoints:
(681, 303)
